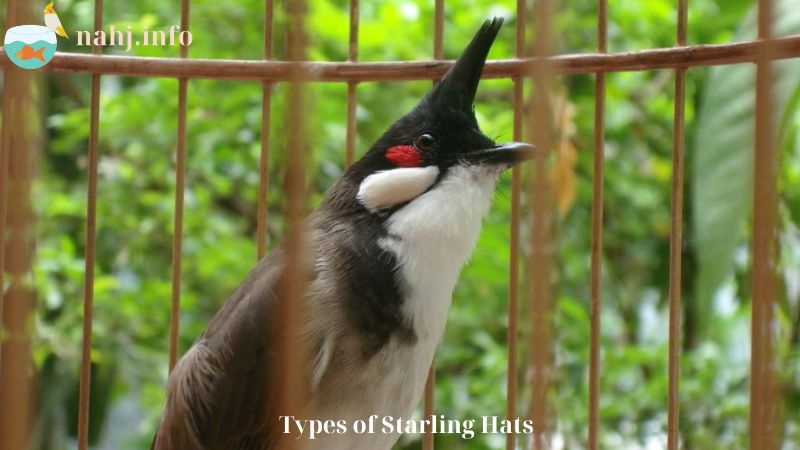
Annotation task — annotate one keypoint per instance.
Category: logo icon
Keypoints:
(33, 46)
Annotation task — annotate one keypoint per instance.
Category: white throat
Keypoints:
(433, 236)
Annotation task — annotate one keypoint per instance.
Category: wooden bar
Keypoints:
(350, 146)
(18, 386)
(177, 232)
(263, 183)
(676, 241)
(661, 58)
(292, 310)
(180, 176)
(595, 311)
(88, 299)
(91, 234)
(430, 387)
(352, 56)
(438, 32)
(429, 402)
(538, 270)
(514, 244)
(5, 152)
(764, 398)
(266, 113)
(17, 153)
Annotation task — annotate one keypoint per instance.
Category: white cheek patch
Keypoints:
(387, 188)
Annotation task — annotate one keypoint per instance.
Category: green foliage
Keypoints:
(135, 216)
(724, 150)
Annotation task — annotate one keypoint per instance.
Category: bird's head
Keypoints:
(438, 139)
(48, 9)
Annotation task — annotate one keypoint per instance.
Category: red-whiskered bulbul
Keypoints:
(384, 251)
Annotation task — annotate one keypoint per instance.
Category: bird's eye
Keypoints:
(425, 143)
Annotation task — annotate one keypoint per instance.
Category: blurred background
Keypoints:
(136, 195)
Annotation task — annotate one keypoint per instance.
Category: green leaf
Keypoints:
(722, 181)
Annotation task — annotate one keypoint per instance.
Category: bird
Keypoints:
(383, 253)
(52, 22)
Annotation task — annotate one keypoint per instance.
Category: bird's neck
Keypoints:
(433, 237)
(398, 269)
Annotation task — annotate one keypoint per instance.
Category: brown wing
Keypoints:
(221, 392)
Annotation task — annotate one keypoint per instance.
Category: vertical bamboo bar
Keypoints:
(5, 152)
(294, 392)
(266, 112)
(675, 241)
(180, 175)
(17, 414)
(438, 52)
(17, 376)
(539, 264)
(352, 56)
(513, 260)
(763, 386)
(438, 29)
(91, 228)
(597, 229)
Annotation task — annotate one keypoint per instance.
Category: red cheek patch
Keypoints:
(404, 156)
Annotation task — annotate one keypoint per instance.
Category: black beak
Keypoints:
(510, 153)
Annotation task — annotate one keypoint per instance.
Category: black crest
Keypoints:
(458, 86)
(445, 112)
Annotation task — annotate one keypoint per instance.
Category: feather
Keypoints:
(218, 395)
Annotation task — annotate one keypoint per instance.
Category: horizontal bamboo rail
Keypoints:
(662, 58)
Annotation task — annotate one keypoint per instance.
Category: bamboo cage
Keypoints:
(538, 64)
